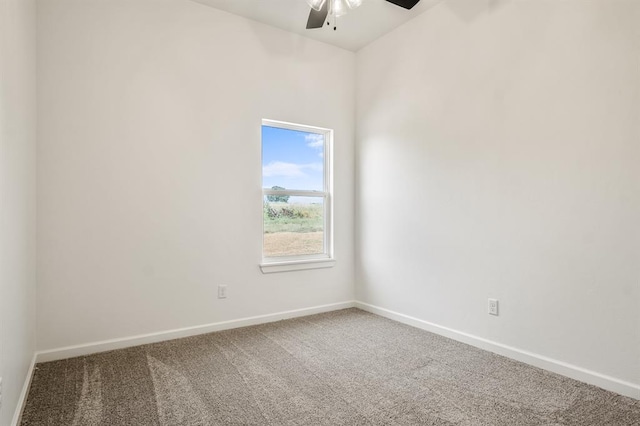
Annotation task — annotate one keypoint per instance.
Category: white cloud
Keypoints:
(289, 170)
(314, 140)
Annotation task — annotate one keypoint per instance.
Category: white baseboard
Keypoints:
(622, 387)
(23, 394)
(126, 342)
(606, 382)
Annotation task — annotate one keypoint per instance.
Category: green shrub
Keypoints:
(282, 217)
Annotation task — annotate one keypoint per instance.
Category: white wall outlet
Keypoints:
(493, 307)
(222, 292)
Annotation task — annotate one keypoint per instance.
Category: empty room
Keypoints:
(319, 212)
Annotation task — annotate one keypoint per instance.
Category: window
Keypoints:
(296, 192)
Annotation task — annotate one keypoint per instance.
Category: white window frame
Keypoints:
(305, 261)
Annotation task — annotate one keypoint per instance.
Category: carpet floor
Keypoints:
(346, 367)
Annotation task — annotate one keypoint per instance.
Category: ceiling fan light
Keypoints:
(316, 4)
(353, 3)
(337, 8)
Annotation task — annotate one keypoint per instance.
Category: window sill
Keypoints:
(296, 265)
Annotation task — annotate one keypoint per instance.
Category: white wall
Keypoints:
(17, 197)
(498, 151)
(150, 170)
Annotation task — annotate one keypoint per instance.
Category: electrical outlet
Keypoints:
(493, 307)
(222, 292)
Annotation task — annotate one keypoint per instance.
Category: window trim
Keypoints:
(308, 261)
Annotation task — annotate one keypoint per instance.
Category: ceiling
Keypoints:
(355, 30)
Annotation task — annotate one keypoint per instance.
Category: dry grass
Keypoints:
(293, 243)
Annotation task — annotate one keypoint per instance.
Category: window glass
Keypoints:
(296, 192)
(292, 159)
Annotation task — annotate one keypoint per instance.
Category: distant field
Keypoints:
(291, 229)
(289, 243)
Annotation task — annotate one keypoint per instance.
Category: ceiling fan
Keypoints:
(320, 9)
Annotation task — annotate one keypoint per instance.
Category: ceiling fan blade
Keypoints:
(317, 18)
(407, 4)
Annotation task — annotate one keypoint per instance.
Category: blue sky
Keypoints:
(292, 159)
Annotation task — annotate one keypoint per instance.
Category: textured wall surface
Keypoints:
(17, 197)
(150, 165)
(498, 157)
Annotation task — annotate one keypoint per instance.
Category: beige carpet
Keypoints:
(342, 368)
